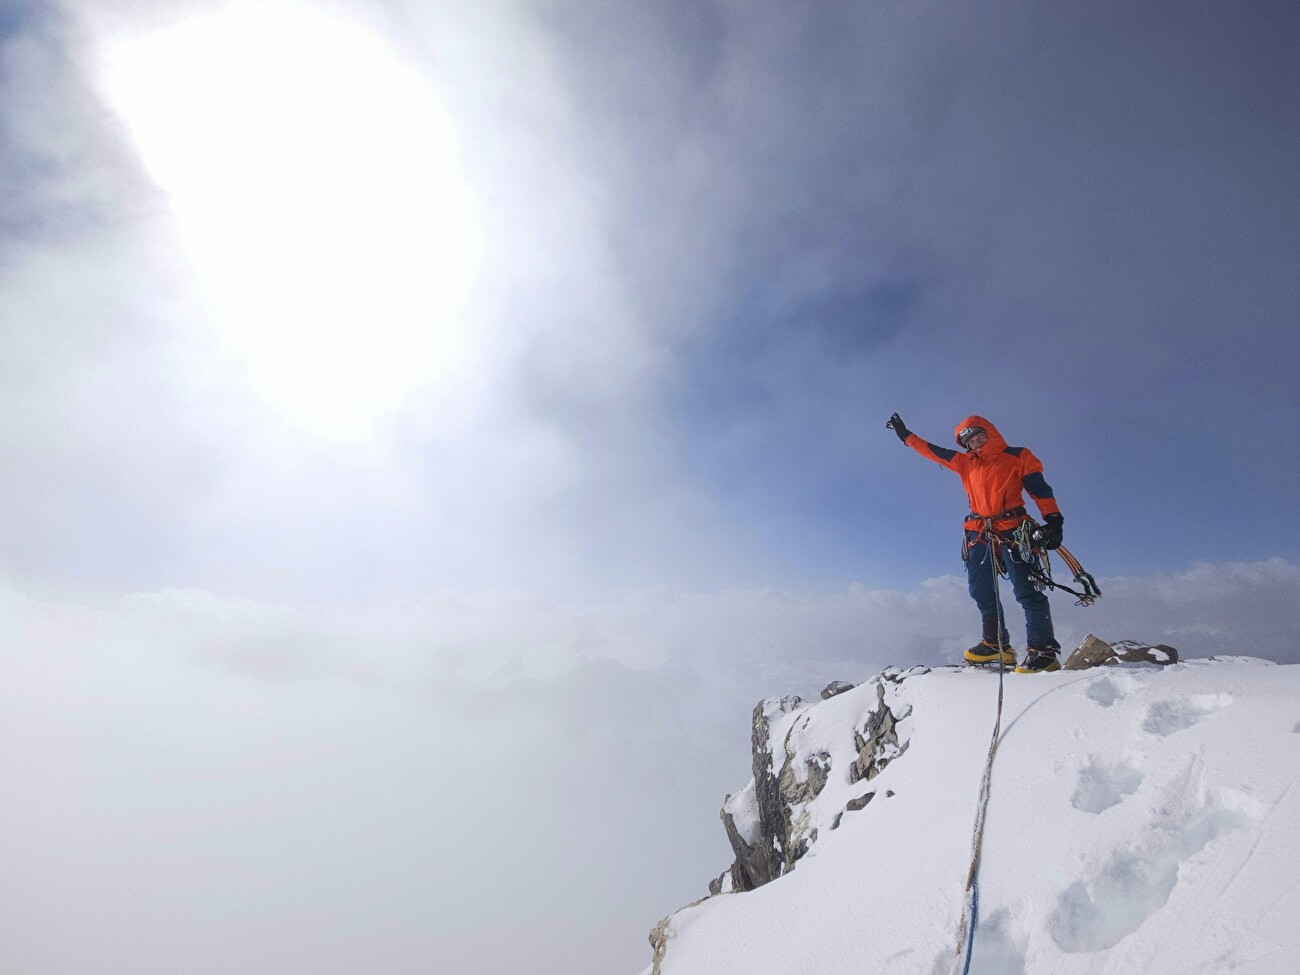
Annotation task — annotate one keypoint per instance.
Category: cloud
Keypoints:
(416, 783)
(148, 454)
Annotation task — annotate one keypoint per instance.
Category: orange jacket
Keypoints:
(993, 476)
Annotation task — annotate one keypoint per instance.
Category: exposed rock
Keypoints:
(752, 866)
(817, 770)
(770, 824)
(877, 742)
(835, 687)
(854, 805)
(896, 676)
(659, 936)
(1133, 652)
(795, 796)
(757, 821)
(1093, 652)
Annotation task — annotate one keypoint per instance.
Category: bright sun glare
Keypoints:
(313, 176)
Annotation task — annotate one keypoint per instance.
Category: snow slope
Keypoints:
(1141, 820)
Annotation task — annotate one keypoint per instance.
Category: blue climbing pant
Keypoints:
(979, 575)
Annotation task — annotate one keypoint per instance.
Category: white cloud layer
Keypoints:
(477, 782)
(507, 448)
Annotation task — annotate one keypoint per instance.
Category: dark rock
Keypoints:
(877, 742)
(817, 772)
(765, 860)
(752, 866)
(1093, 652)
(835, 687)
(1133, 652)
(768, 824)
(854, 805)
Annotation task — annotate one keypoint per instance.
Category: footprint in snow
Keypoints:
(1105, 692)
(1102, 786)
(1115, 898)
(1166, 717)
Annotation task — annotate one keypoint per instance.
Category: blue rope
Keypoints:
(974, 920)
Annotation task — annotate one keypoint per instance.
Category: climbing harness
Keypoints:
(1024, 545)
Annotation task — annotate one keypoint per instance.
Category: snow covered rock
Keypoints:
(835, 687)
(877, 742)
(1140, 820)
(1093, 652)
(755, 821)
(777, 817)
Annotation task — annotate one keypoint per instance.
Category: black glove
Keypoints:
(896, 424)
(1049, 536)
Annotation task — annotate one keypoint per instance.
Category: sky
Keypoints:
(391, 385)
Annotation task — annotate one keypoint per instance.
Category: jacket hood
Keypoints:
(996, 442)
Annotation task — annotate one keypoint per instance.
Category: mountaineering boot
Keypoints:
(1039, 662)
(985, 652)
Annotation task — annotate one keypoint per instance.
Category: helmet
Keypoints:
(972, 438)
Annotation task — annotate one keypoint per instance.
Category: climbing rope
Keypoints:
(1022, 545)
(974, 920)
(970, 909)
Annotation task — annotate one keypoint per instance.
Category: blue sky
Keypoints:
(407, 399)
(1077, 223)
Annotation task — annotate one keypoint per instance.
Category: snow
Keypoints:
(1142, 819)
(743, 809)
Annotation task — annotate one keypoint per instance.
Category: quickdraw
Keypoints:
(1091, 591)
(1025, 547)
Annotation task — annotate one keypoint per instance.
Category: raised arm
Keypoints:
(950, 459)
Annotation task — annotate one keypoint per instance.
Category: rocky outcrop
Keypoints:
(835, 687)
(659, 936)
(1093, 652)
(757, 822)
(807, 775)
(877, 743)
(1133, 652)
(770, 823)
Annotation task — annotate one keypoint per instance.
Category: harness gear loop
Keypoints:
(1023, 544)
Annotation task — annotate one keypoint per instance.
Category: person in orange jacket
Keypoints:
(994, 476)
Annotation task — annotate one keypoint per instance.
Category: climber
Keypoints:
(994, 475)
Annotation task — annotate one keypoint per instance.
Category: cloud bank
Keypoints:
(478, 781)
